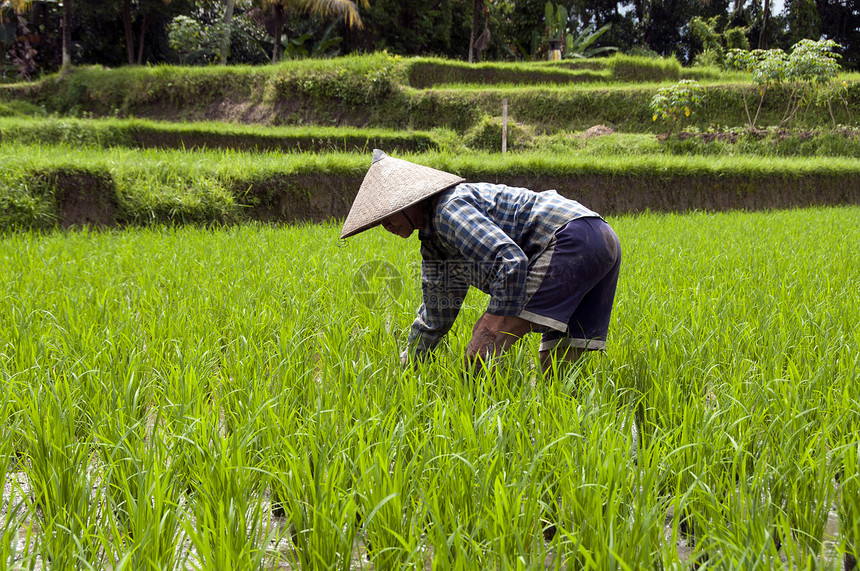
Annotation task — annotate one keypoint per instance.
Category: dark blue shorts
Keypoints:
(571, 286)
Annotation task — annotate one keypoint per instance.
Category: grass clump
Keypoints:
(642, 69)
(487, 135)
(25, 202)
(773, 143)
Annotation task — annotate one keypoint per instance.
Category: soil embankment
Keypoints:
(86, 199)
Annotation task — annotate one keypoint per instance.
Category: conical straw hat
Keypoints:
(389, 186)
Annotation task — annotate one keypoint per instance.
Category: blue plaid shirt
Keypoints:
(482, 235)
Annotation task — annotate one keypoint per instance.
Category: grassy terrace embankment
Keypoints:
(141, 133)
(276, 143)
(380, 91)
(41, 186)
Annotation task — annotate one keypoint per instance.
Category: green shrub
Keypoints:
(806, 72)
(676, 103)
(487, 135)
(186, 37)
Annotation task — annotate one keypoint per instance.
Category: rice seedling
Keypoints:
(64, 491)
(145, 524)
(11, 505)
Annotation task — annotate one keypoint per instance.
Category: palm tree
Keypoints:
(20, 5)
(281, 10)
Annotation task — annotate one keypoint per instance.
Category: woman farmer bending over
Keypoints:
(549, 264)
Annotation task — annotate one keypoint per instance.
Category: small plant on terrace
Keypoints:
(812, 67)
(768, 68)
(676, 103)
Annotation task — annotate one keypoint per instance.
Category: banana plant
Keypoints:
(556, 24)
(580, 46)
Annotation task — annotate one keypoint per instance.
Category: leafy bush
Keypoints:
(714, 42)
(676, 103)
(186, 37)
(810, 67)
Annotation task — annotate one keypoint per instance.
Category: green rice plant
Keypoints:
(390, 454)
(64, 491)
(603, 524)
(741, 532)
(388, 496)
(229, 529)
(142, 492)
(810, 476)
(175, 372)
(639, 69)
(319, 508)
(12, 507)
(214, 187)
(145, 497)
(456, 522)
(849, 505)
(141, 133)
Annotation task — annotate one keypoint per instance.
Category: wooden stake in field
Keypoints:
(504, 125)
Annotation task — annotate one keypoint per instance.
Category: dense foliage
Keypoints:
(121, 31)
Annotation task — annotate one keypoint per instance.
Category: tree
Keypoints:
(840, 21)
(479, 44)
(67, 34)
(228, 20)
(803, 21)
(665, 23)
(278, 14)
(762, 38)
(146, 9)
